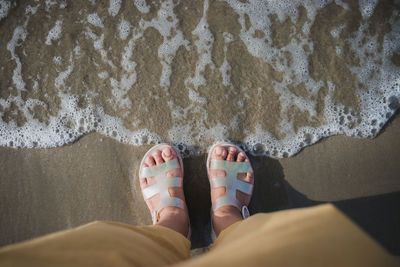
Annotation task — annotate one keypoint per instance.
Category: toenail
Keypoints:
(218, 151)
(167, 152)
(231, 149)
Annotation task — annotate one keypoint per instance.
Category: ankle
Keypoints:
(228, 212)
(169, 213)
(225, 217)
(176, 219)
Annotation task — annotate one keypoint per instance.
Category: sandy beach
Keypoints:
(87, 88)
(46, 190)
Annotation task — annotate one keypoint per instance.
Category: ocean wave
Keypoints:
(273, 76)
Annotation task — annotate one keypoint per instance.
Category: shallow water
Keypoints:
(274, 76)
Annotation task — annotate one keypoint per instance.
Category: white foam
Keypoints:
(103, 75)
(124, 28)
(62, 76)
(98, 46)
(225, 70)
(338, 50)
(203, 44)
(343, 4)
(18, 35)
(119, 91)
(166, 23)
(63, 5)
(4, 8)
(378, 100)
(57, 60)
(115, 6)
(95, 20)
(367, 7)
(54, 33)
(336, 32)
(49, 4)
(195, 97)
(370, 73)
(31, 9)
(77, 50)
(142, 6)
(228, 37)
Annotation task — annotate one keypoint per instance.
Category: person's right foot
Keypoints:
(171, 217)
(227, 215)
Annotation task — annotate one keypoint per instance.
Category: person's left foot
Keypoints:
(227, 215)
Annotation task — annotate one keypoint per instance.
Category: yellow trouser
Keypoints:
(317, 236)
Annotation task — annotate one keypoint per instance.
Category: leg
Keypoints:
(316, 236)
(100, 244)
(108, 243)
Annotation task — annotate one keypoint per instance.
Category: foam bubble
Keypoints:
(342, 4)
(4, 8)
(32, 10)
(57, 60)
(367, 7)
(95, 20)
(336, 32)
(62, 76)
(49, 4)
(379, 98)
(103, 75)
(115, 6)
(226, 68)
(166, 23)
(54, 33)
(18, 35)
(124, 29)
(142, 6)
(203, 44)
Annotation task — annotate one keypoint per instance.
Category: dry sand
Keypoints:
(45, 190)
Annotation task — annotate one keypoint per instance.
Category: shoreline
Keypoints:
(46, 190)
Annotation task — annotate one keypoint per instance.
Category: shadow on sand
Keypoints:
(377, 215)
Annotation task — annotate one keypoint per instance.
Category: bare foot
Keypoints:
(228, 215)
(172, 217)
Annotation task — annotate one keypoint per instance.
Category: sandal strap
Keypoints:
(245, 212)
(162, 184)
(230, 182)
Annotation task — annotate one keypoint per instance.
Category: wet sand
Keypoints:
(274, 77)
(45, 190)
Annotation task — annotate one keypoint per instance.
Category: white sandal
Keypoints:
(229, 181)
(162, 182)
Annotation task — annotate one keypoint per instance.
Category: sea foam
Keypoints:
(190, 129)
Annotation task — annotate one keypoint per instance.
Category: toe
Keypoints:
(176, 192)
(241, 157)
(150, 161)
(157, 157)
(231, 153)
(249, 178)
(219, 152)
(143, 181)
(167, 153)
